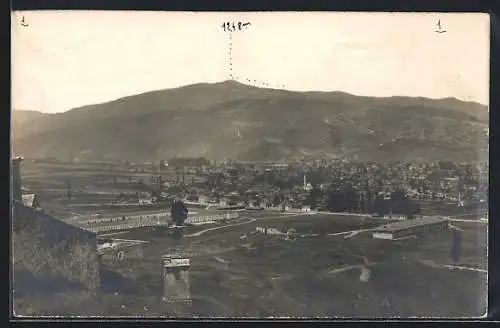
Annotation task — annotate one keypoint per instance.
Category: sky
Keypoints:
(66, 59)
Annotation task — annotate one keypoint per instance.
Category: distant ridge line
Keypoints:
(235, 82)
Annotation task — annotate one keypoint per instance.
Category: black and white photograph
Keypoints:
(249, 164)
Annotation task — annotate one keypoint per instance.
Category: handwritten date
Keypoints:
(234, 26)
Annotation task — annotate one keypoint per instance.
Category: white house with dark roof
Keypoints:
(31, 200)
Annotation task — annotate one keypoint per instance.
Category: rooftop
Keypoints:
(30, 200)
(411, 223)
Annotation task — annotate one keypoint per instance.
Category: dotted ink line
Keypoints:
(231, 55)
(265, 84)
(249, 81)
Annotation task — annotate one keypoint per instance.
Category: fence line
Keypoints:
(157, 216)
(217, 217)
(125, 226)
(149, 222)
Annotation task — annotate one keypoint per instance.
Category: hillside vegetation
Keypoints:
(233, 120)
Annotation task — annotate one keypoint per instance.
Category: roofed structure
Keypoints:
(31, 200)
(407, 227)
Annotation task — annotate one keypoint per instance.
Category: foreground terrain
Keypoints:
(237, 271)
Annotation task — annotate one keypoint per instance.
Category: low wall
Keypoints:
(128, 225)
(153, 216)
(154, 221)
(44, 246)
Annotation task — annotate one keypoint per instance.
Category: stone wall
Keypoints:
(45, 246)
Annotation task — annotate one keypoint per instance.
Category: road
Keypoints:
(350, 233)
(361, 215)
(466, 220)
(454, 218)
(113, 233)
(199, 233)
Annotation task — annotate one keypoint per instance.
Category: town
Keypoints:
(336, 186)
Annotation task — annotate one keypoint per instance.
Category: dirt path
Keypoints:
(350, 233)
(469, 221)
(433, 264)
(199, 233)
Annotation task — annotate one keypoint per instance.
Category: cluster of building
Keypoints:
(299, 185)
(335, 185)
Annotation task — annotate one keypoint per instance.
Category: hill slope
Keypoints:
(232, 120)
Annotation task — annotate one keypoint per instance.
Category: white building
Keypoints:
(397, 217)
(404, 228)
(203, 199)
(31, 200)
(307, 186)
(305, 209)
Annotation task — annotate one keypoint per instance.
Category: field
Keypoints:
(239, 272)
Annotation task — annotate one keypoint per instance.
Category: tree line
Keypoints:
(351, 200)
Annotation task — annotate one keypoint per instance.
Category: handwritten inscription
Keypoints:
(23, 22)
(231, 75)
(440, 29)
(234, 26)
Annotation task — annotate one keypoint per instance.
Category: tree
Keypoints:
(277, 199)
(381, 206)
(401, 204)
(178, 212)
(336, 201)
(351, 197)
(398, 195)
(312, 198)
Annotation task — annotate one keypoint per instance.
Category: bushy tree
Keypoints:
(179, 212)
(401, 204)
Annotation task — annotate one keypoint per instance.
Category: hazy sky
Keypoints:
(65, 59)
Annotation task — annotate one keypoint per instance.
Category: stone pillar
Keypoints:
(16, 179)
(177, 287)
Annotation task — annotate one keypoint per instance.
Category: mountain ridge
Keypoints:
(237, 83)
(232, 120)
